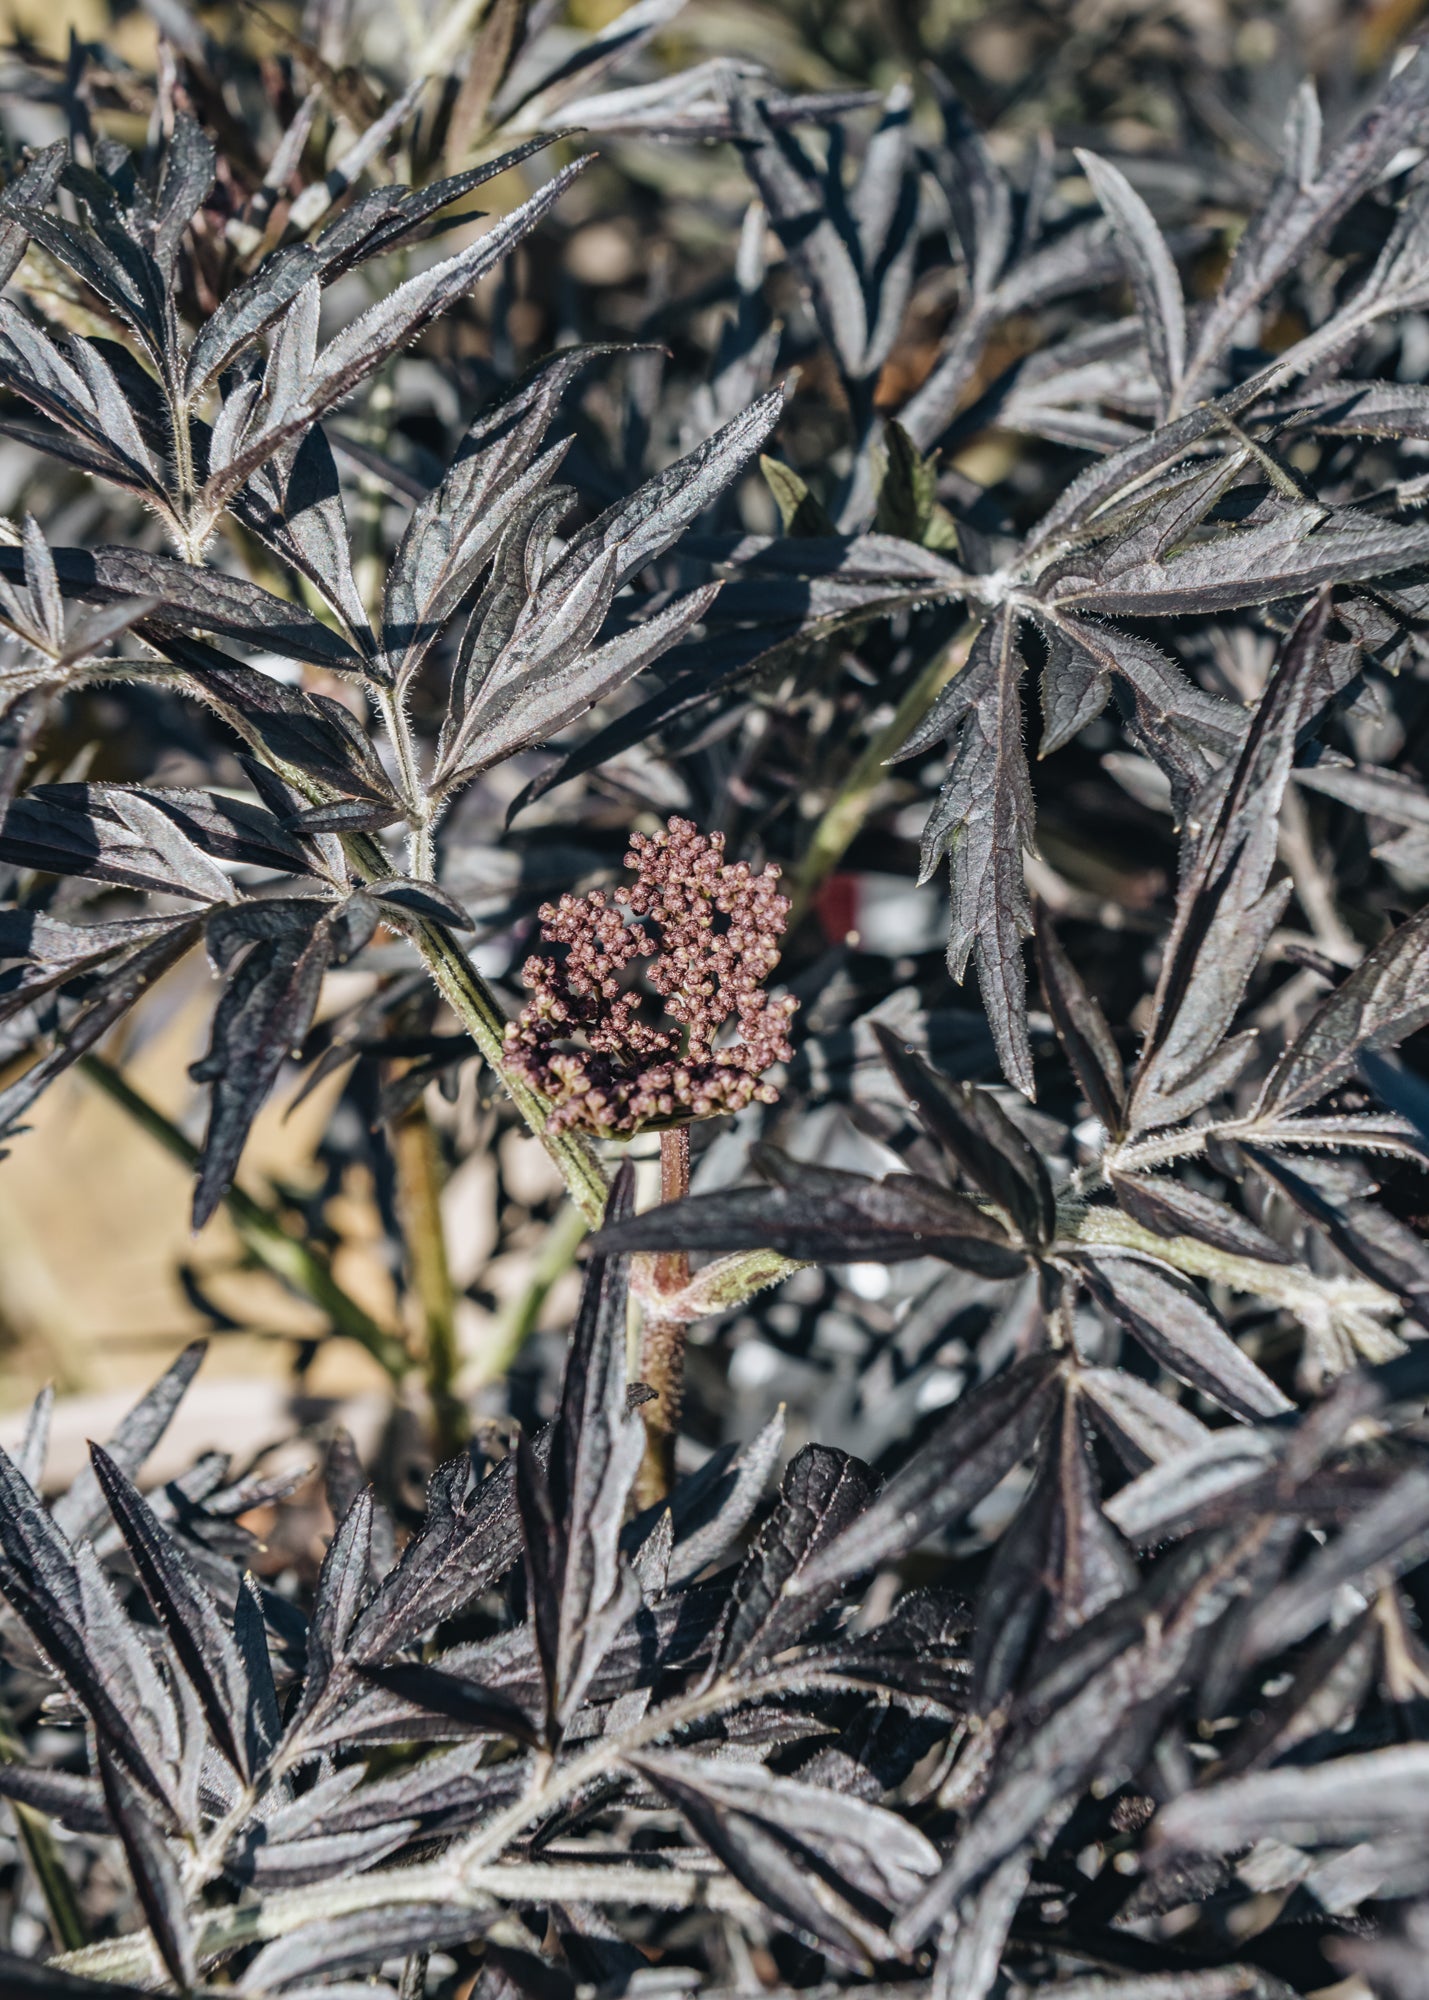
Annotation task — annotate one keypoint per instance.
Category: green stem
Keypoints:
(421, 852)
(727, 1282)
(476, 1007)
(455, 978)
(1158, 1151)
(516, 1325)
(192, 535)
(843, 819)
(1287, 1285)
(38, 1839)
(463, 1877)
(418, 1168)
(375, 430)
(261, 1233)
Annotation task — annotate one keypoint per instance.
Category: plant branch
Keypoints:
(1187, 1143)
(476, 1007)
(191, 534)
(1289, 1285)
(470, 1874)
(460, 985)
(565, 1780)
(421, 852)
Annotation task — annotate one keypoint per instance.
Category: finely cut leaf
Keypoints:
(1176, 1326)
(987, 1434)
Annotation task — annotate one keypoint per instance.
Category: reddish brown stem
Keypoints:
(662, 1341)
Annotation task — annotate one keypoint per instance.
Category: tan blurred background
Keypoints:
(94, 1233)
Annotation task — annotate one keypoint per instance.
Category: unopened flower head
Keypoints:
(709, 931)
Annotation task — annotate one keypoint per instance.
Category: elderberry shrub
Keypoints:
(967, 1534)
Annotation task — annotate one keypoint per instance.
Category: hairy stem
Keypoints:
(662, 1340)
(470, 1875)
(422, 852)
(191, 534)
(1286, 1285)
(1161, 1148)
(260, 1231)
(421, 849)
(465, 992)
(475, 1006)
(375, 429)
(1157, 1151)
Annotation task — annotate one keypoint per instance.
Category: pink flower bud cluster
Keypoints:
(710, 930)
